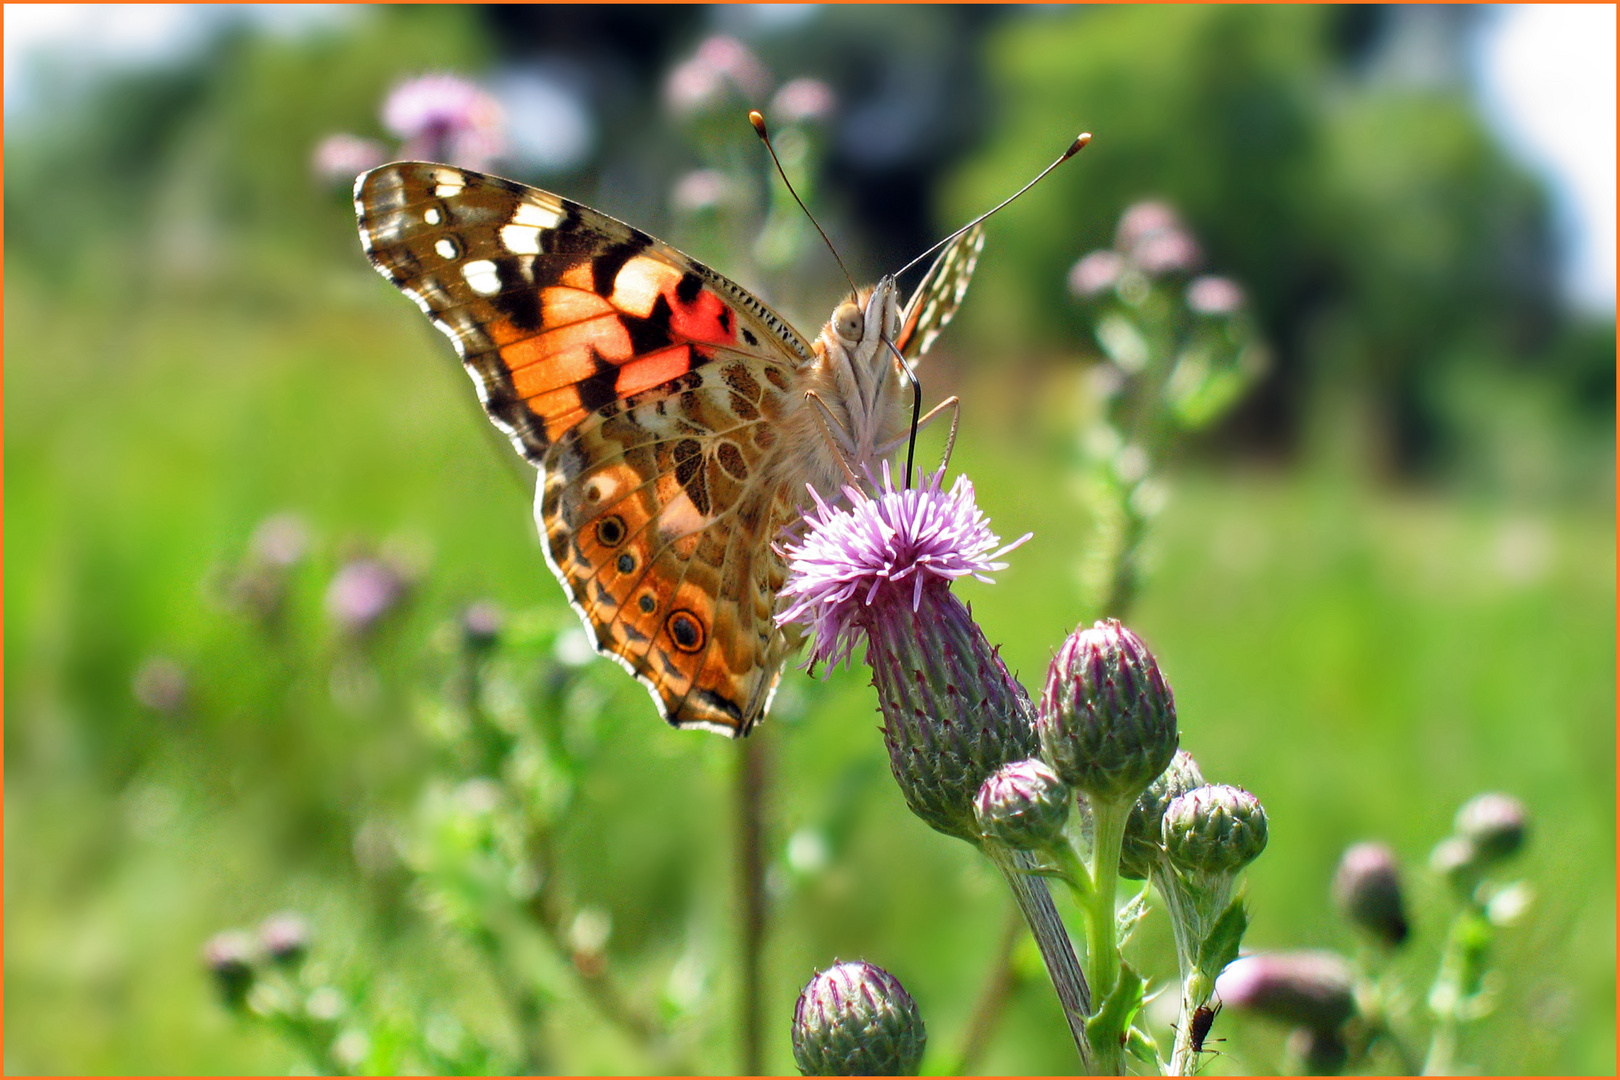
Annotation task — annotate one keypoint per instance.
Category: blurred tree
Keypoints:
(1332, 161)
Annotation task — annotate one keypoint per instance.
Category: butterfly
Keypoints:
(676, 420)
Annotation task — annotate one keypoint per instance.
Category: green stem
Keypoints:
(1035, 901)
(1102, 936)
(753, 779)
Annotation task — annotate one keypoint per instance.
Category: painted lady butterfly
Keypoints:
(674, 417)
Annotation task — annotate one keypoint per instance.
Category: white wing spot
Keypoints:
(446, 247)
(447, 191)
(482, 277)
(432, 215)
(539, 215)
(521, 239)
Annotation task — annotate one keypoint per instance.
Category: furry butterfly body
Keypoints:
(674, 417)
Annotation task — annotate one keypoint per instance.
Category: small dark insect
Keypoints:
(1203, 1019)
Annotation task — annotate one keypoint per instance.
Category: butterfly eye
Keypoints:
(849, 322)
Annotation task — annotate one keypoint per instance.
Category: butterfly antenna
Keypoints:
(1075, 147)
(756, 118)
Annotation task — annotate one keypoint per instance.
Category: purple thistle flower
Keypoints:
(881, 571)
(896, 543)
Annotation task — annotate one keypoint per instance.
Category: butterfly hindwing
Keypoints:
(939, 293)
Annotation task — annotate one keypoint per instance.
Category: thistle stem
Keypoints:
(1102, 938)
(1035, 901)
(753, 779)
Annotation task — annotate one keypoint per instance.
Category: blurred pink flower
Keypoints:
(803, 99)
(445, 118)
(722, 66)
(1152, 237)
(362, 592)
(1211, 295)
(702, 189)
(340, 158)
(1143, 219)
(1095, 272)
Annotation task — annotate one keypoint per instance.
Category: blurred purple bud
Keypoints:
(702, 189)
(1095, 273)
(481, 626)
(1311, 989)
(285, 938)
(801, 100)
(1210, 295)
(281, 540)
(1367, 890)
(362, 592)
(229, 957)
(446, 118)
(339, 158)
(161, 685)
(1494, 823)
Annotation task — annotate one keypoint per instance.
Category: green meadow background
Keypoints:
(1384, 585)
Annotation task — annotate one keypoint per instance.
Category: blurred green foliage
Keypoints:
(195, 343)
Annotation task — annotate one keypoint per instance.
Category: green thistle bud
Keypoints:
(1367, 891)
(1023, 805)
(1215, 829)
(1144, 833)
(1495, 824)
(855, 1019)
(1107, 721)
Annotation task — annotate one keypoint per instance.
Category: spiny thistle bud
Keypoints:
(1144, 831)
(855, 1019)
(1107, 720)
(1367, 890)
(1495, 824)
(881, 571)
(1023, 805)
(1310, 989)
(1215, 829)
(229, 957)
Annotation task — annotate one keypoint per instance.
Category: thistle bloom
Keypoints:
(880, 572)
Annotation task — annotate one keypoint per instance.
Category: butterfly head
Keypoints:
(857, 378)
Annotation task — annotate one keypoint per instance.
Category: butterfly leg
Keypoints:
(828, 423)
